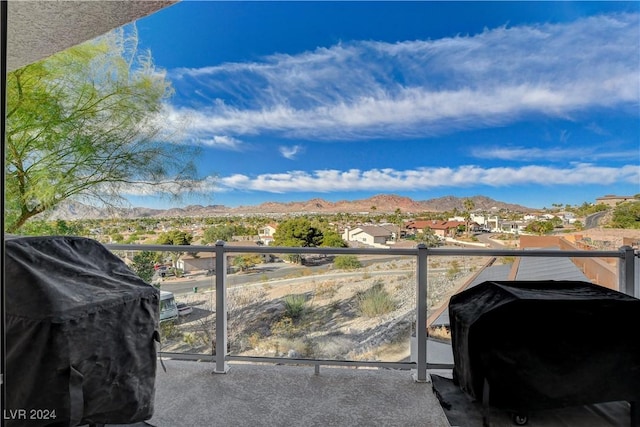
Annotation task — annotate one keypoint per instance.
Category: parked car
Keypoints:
(164, 271)
(184, 309)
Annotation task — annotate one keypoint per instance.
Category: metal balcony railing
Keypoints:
(627, 272)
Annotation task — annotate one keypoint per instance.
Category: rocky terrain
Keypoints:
(383, 203)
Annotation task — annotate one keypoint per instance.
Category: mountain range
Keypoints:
(382, 203)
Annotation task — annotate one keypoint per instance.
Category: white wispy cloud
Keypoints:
(368, 89)
(218, 141)
(290, 152)
(429, 178)
(525, 154)
(206, 185)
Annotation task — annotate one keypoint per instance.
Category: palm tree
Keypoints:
(469, 205)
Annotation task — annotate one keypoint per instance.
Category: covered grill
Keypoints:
(81, 329)
(524, 346)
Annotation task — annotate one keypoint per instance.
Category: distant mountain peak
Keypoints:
(380, 203)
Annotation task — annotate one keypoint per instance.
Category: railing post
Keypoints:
(421, 314)
(626, 271)
(221, 309)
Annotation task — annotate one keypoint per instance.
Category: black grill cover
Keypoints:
(80, 335)
(546, 344)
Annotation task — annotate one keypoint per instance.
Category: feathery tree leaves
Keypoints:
(83, 124)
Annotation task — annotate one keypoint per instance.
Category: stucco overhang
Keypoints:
(38, 29)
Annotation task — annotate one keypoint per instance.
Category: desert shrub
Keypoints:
(327, 289)
(243, 297)
(294, 305)
(254, 339)
(346, 262)
(190, 339)
(168, 329)
(284, 328)
(508, 259)
(440, 332)
(375, 301)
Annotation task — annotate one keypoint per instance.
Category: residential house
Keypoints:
(479, 219)
(372, 235)
(440, 228)
(417, 226)
(266, 233)
(189, 263)
(514, 227)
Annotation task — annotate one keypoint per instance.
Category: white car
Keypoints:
(184, 309)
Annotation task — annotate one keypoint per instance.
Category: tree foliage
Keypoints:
(220, 232)
(83, 124)
(246, 261)
(143, 263)
(175, 237)
(59, 227)
(469, 205)
(586, 209)
(297, 232)
(332, 239)
(428, 237)
(626, 215)
(539, 227)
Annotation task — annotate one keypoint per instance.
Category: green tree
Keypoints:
(556, 222)
(332, 239)
(297, 232)
(247, 261)
(174, 237)
(143, 263)
(428, 237)
(82, 124)
(626, 215)
(539, 227)
(178, 238)
(220, 232)
(469, 205)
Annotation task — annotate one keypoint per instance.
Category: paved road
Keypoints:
(591, 221)
(486, 239)
(283, 273)
(261, 273)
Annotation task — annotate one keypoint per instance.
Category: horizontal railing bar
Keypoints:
(321, 362)
(551, 253)
(439, 365)
(263, 249)
(187, 356)
(289, 361)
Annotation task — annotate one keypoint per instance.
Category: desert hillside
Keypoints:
(383, 203)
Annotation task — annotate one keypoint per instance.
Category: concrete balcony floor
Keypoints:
(190, 394)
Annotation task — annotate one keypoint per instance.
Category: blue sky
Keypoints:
(531, 102)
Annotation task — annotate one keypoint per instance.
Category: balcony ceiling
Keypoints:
(38, 29)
